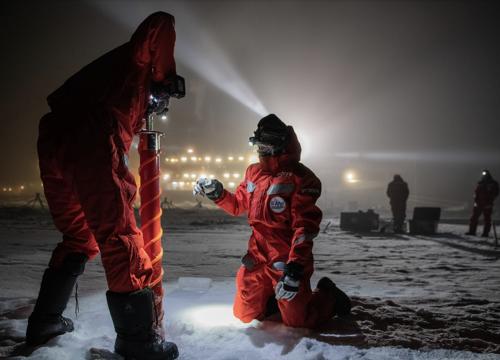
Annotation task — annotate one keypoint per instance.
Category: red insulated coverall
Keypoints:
(279, 194)
(82, 147)
(484, 196)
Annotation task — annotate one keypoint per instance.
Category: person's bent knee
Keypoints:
(244, 317)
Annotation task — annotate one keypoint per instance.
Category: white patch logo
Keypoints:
(277, 204)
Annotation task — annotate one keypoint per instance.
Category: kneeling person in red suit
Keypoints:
(279, 195)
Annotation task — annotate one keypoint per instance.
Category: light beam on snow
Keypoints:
(195, 48)
(209, 316)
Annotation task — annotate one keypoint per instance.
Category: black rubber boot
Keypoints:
(47, 321)
(342, 302)
(133, 318)
(486, 230)
(472, 230)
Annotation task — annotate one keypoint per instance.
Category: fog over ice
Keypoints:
(407, 87)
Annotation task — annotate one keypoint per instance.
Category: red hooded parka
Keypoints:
(83, 144)
(279, 195)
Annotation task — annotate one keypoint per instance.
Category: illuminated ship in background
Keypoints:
(180, 171)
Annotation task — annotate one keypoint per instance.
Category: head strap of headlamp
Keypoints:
(270, 142)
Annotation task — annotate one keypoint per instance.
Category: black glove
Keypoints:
(212, 188)
(294, 270)
(217, 192)
(288, 286)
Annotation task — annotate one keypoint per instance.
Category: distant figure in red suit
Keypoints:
(484, 197)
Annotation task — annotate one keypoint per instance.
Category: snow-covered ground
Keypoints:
(415, 297)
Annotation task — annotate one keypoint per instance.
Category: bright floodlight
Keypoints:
(350, 177)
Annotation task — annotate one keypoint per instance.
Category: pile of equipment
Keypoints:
(425, 220)
(359, 221)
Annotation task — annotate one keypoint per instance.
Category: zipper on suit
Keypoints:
(261, 199)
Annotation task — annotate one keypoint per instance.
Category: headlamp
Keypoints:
(160, 94)
(268, 142)
(271, 136)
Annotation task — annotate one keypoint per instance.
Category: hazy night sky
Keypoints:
(379, 87)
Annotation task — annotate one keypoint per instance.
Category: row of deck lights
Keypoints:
(10, 189)
(167, 177)
(206, 159)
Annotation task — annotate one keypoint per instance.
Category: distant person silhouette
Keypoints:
(484, 197)
(398, 193)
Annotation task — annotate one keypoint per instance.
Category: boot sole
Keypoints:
(172, 356)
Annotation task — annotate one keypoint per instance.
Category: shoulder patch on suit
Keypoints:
(250, 187)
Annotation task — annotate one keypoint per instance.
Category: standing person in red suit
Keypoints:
(279, 196)
(82, 147)
(484, 197)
